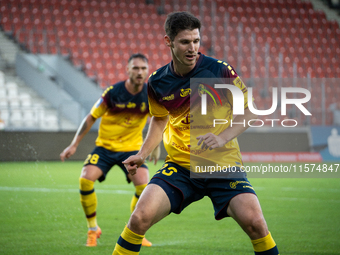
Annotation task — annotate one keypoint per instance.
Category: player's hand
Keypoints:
(210, 141)
(132, 163)
(155, 154)
(68, 152)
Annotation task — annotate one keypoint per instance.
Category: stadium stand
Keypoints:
(22, 109)
(261, 38)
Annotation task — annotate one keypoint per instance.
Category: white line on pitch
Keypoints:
(4, 188)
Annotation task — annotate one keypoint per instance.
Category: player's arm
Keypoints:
(98, 110)
(155, 154)
(216, 141)
(152, 140)
(83, 129)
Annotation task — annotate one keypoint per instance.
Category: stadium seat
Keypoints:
(12, 90)
(292, 28)
(15, 117)
(2, 79)
(25, 100)
(29, 118)
(49, 122)
(4, 115)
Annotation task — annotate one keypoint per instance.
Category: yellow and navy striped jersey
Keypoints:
(123, 117)
(173, 95)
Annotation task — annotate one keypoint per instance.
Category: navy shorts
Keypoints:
(105, 160)
(183, 190)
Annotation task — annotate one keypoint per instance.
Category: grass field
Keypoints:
(41, 214)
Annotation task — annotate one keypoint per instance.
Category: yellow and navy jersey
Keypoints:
(173, 95)
(123, 117)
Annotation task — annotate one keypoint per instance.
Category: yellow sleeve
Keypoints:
(99, 108)
(155, 108)
(239, 83)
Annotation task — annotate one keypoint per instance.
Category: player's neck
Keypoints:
(133, 88)
(181, 69)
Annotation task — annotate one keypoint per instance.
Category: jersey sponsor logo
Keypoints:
(131, 105)
(234, 184)
(128, 121)
(202, 127)
(187, 120)
(169, 98)
(122, 106)
(143, 107)
(239, 83)
(185, 92)
(248, 187)
(179, 147)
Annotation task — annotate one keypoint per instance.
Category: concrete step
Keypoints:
(8, 49)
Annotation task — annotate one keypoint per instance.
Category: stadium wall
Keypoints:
(48, 89)
(46, 146)
(280, 140)
(67, 89)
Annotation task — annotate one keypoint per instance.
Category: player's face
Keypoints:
(185, 47)
(137, 70)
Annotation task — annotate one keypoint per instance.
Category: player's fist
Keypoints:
(210, 141)
(68, 152)
(132, 163)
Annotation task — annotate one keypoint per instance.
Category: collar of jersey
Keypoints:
(191, 72)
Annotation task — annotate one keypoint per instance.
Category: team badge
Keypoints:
(169, 98)
(143, 107)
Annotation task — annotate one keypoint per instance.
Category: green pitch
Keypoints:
(40, 213)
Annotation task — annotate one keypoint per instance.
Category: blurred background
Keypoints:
(57, 56)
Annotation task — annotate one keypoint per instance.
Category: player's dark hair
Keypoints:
(178, 21)
(138, 55)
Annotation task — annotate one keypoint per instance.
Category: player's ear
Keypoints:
(167, 41)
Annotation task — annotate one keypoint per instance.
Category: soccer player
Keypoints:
(124, 111)
(171, 189)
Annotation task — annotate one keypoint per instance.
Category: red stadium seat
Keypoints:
(113, 30)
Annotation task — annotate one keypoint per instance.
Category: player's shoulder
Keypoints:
(159, 74)
(145, 85)
(113, 89)
(219, 66)
(145, 89)
(216, 63)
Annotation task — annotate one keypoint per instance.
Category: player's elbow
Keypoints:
(91, 118)
(163, 119)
